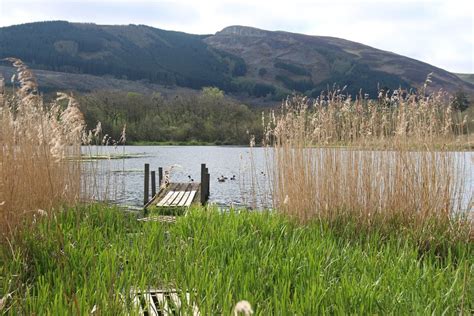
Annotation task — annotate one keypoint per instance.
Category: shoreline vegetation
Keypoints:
(89, 258)
(353, 231)
(443, 147)
(181, 143)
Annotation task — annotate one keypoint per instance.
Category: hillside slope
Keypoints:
(467, 77)
(302, 62)
(134, 52)
(240, 60)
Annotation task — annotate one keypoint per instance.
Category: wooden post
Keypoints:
(208, 189)
(153, 184)
(203, 183)
(146, 184)
(160, 176)
(207, 179)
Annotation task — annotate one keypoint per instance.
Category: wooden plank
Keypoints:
(185, 198)
(150, 304)
(175, 306)
(181, 194)
(137, 303)
(159, 218)
(171, 188)
(190, 198)
(163, 302)
(178, 198)
(166, 198)
(175, 195)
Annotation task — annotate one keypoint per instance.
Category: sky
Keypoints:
(438, 32)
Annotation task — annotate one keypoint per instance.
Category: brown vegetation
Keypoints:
(412, 178)
(37, 142)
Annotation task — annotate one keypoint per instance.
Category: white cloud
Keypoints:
(438, 32)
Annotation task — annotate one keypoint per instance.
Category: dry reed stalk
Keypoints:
(414, 178)
(37, 144)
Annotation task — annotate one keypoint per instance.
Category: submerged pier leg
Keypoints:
(153, 184)
(208, 180)
(203, 183)
(146, 184)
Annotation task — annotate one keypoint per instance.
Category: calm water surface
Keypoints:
(220, 160)
(127, 174)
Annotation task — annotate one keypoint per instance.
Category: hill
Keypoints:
(134, 52)
(244, 61)
(467, 77)
(53, 81)
(303, 62)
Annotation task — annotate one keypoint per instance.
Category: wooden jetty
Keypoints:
(164, 302)
(173, 198)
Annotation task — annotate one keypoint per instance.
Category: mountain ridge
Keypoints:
(240, 60)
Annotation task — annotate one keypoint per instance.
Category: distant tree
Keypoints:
(461, 101)
(262, 90)
(240, 69)
(212, 92)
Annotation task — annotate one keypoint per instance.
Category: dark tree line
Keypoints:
(207, 117)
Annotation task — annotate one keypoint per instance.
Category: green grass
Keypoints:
(154, 210)
(93, 255)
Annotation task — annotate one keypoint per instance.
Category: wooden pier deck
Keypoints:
(177, 194)
(175, 198)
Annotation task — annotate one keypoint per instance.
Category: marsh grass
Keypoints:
(396, 166)
(35, 141)
(42, 165)
(91, 257)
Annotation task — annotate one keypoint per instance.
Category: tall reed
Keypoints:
(37, 142)
(395, 165)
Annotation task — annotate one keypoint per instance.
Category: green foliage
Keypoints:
(138, 52)
(235, 63)
(154, 210)
(297, 85)
(134, 52)
(262, 90)
(294, 69)
(212, 93)
(253, 88)
(239, 69)
(361, 77)
(93, 256)
(209, 117)
(461, 101)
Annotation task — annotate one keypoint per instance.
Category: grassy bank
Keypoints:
(93, 255)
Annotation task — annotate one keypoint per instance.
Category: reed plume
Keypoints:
(412, 177)
(40, 144)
